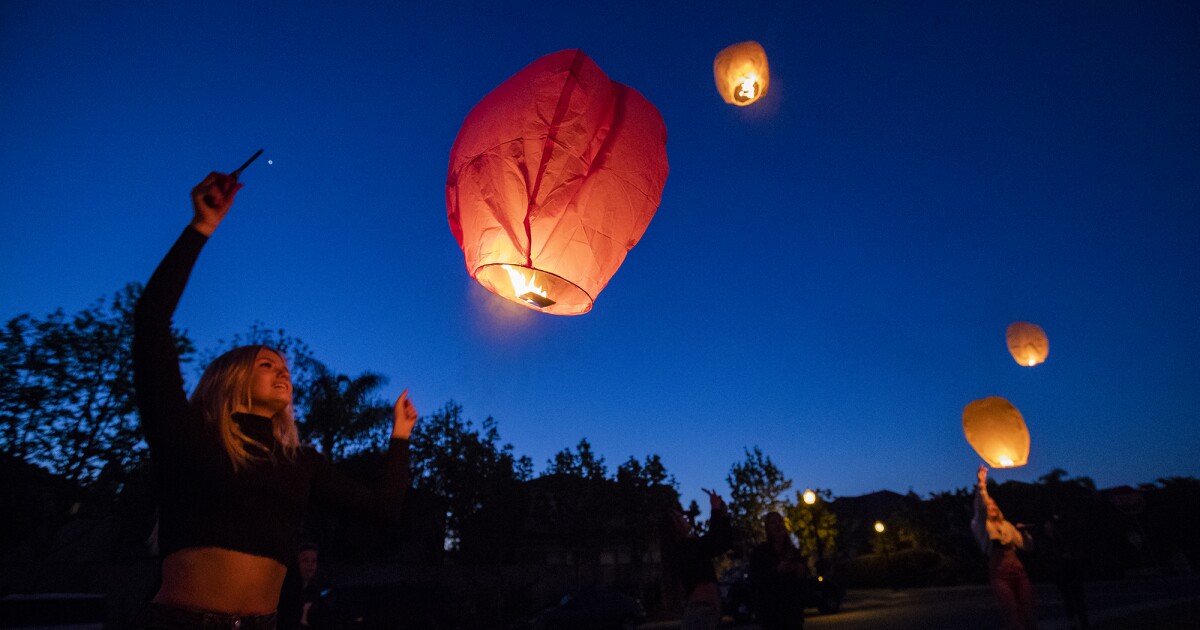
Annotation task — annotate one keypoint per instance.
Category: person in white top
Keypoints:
(999, 540)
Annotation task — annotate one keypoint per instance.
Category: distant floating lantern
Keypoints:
(1027, 343)
(810, 497)
(741, 73)
(997, 432)
(553, 178)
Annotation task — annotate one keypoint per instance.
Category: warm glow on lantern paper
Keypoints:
(741, 73)
(1027, 343)
(997, 432)
(553, 178)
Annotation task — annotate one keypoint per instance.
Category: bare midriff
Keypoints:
(221, 580)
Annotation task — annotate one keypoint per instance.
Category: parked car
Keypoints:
(737, 600)
(824, 594)
(592, 610)
(737, 596)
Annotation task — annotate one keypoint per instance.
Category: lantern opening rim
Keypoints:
(568, 297)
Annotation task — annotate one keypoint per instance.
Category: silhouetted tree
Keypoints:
(344, 415)
(66, 390)
(644, 491)
(815, 526)
(1172, 510)
(635, 473)
(756, 486)
(467, 468)
(582, 463)
(582, 509)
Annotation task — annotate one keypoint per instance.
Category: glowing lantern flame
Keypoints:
(1027, 343)
(748, 90)
(741, 73)
(996, 430)
(525, 288)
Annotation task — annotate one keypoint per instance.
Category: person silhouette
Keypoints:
(999, 541)
(1065, 561)
(777, 573)
(302, 602)
(688, 561)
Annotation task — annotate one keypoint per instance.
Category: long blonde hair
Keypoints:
(224, 386)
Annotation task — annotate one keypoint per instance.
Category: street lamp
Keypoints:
(887, 556)
(810, 498)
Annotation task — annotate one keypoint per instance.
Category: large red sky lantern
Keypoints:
(553, 178)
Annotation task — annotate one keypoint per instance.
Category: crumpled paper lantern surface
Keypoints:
(553, 178)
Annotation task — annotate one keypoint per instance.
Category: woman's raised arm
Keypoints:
(158, 381)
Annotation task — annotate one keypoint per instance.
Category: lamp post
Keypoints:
(887, 557)
(810, 499)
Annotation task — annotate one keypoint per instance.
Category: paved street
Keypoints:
(975, 606)
(1163, 603)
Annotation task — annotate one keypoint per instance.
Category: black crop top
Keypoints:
(202, 501)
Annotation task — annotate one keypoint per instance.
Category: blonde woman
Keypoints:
(232, 478)
(999, 540)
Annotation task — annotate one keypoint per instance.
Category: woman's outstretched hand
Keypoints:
(211, 200)
(715, 502)
(404, 417)
(982, 474)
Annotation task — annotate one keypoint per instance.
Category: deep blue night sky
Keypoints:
(829, 275)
